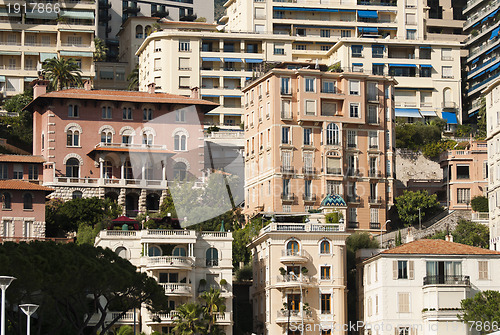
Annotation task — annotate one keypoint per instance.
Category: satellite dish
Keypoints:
(221, 27)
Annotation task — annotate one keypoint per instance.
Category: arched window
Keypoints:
(148, 31)
(212, 257)
(108, 169)
(127, 136)
(27, 201)
(179, 251)
(138, 31)
(73, 137)
(106, 136)
(147, 139)
(73, 168)
(154, 251)
(180, 142)
(332, 134)
(6, 200)
(292, 248)
(447, 95)
(77, 195)
(180, 171)
(147, 114)
(324, 247)
(73, 111)
(128, 170)
(122, 252)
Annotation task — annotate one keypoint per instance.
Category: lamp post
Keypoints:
(4, 283)
(28, 309)
(301, 300)
(382, 236)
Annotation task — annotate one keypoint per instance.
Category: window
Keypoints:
(279, 48)
(483, 270)
(333, 187)
(411, 34)
(285, 135)
(43, 141)
(73, 168)
(357, 67)
(180, 116)
(147, 114)
(32, 172)
(463, 172)
(446, 54)
(285, 85)
(403, 331)
(307, 185)
(127, 137)
(425, 53)
(324, 247)
(325, 272)
(447, 71)
(77, 195)
(387, 139)
(357, 51)
(372, 114)
(378, 69)
(184, 46)
(106, 136)
(3, 171)
(404, 303)
(374, 214)
(351, 138)
(354, 110)
(324, 33)
(154, 251)
(310, 107)
(411, 18)
(73, 137)
(147, 139)
(183, 64)
(6, 200)
(354, 87)
(127, 113)
(18, 171)
(425, 71)
(180, 171)
(345, 33)
(292, 248)
(180, 142)
(326, 303)
(328, 86)
(179, 251)
(378, 51)
(212, 256)
(27, 201)
(106, 112)
(73, 111)
(307, 136)
(402, 269)
(184, 82)
(463, 196)
(309, 84)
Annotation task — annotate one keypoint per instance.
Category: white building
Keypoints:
(492, 94)
(184, 262)
(417, 288)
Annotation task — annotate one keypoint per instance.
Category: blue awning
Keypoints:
(348, 10)
(484, 20)
(494, 67)
(210, 59)
(234, 60)
(475, 24)
(491, 50)
(403, 65)
(368, 29)
(209, 96)
(302, 9)
(425, 65)
(232, 77)
(451, 118)
(251, 60)
(425, 47)
(232, 96)
(378, 64)
(407, 112)
(475, 60)
(357, 64)
(368, 14)
(478, 75)
(494, 33)
(428, 113)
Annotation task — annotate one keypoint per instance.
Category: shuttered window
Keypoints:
(404, 302)
(310, 107)
(183, 64)
(483, 270)
(286, 158)
(328, 108)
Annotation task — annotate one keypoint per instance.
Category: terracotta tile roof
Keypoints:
(129, 96)
(21, 159)
(438, 247)
(129, 149)
(11, 184)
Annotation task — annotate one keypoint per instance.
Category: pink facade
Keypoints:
(125, 145)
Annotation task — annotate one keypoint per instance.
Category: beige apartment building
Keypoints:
(299, 278)
(63, 29)
(311, 133)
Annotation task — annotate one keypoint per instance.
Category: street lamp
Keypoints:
(4, 283)
(28, 309)
(382, 236)
(301, 299)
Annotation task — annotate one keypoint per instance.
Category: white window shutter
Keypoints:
(411, 270)
(394, 269)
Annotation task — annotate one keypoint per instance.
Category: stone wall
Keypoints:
(66, 193)
(413, 165)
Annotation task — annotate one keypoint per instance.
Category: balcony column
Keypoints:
(122, 169)
(163, 171)
(242, 46)
(101, 167)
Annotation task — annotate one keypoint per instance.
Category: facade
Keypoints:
(124, 145)
(299, 277)
(465, 174)
(185, 262)
(482, 27)
(444, 20)
(28, 39)
(416, 288)
(110, 76)
(23, 197)
(493, 140)
(310, 133)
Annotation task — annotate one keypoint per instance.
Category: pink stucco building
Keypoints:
(124, 145)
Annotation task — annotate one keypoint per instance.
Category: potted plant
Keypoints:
(282, 271)
(223, 282)
(203, 282)
(304, 270)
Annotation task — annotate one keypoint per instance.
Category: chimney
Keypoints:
(87, 85)
(409, 236)
(39, 87)
(449, 238)
(195, 93)
(152, 88)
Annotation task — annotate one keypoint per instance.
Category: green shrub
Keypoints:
(479, 204)
(245, 273)
(333, 217)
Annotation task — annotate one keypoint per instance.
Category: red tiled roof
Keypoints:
(124, 219)
(22, 159)
(129, 96)
(22, 185)
(438, 247)
(129, 149)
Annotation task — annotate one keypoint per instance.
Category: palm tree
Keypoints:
(62, 73)
(189, 320)
(100, 50)
(214, 304)
(133, 79)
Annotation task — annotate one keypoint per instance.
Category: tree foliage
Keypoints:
(409, 203)
(133, 79)
(71, 283)
(101, 50)
(416, 135)
(62, 73)
(479, 203)
(18, 130)
(481, 121)
(467, 232)
(484, 307)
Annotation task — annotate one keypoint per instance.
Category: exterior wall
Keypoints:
(33, 40)
(476, 159)
(23, 223)
(265, 170)
(270, 288)
(110, 76)
(136, 246)
(449, 26)
(432, 306)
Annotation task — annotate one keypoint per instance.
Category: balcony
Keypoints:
(354, 173)
(293, 316)
(372, 119)
(294, 281)
(334, 171)
(298, 227)
(286, 116)
(288, 197)
(374, 225)
(481, 217)
(373, 147)
(132, 9)
(287, 170)
(294, 256)
(177, 289)
(352, 224)
(374, 173)
(375, 200)
(309, 171)
(447, 280)
(449, 104)
(309, 197)
(159, 13)
(355, 199)
(169, 262)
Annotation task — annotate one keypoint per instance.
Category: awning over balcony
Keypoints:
(76, 31)
(117, 147)
(44, 56)
(251, 60)
(450, 118)
(303, 9)
(479, 74)
(10, 53)
(73, 14)
(408, 112)
(494, 67)
(368, 14)
(210, 59)
(233, 60)
(403, 65)
(77, 54)
(368, 29)
(494, 33)
(43, 15)
(425, 65)
(5, 12)
(428, 113)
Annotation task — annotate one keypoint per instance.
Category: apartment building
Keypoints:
(23, 198)
(185, 262)
(444, 20)
(417, 288)
(64, 29)
(482, 27)
(465, 174)
(299, 278)
(310, 133)
(492, 94)
(128, 146)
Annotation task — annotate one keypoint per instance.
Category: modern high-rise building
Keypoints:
(311, 133)
(28, 37)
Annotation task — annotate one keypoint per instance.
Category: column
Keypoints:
(101, 167)
(122, 170)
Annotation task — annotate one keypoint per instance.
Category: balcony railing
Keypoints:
(374, 225)
(174, 261)
(354, 173)
(447, 280)
(287, 170)
(353, 224)
(309, 197)
(294, 279)
(449, 104)
(374, 174)
(286, 115)
(336, 171)
(288, 197)
(174, 288)
(294, 253)
(353, 198)
(309, 170)
(375, 201)
(293, 313)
